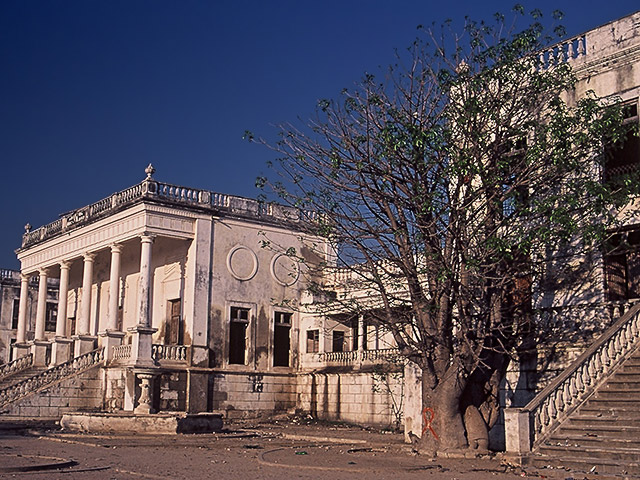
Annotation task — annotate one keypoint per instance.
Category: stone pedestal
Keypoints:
(141, 342)
(145, 400)
(139, 390)
(60, 350)
(517, 431)
(109, 339)
(83, 344)
(39, 351)
(19, 350)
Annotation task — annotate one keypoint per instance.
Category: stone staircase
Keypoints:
(602, 435)
(588, 418)
(29, 391)
(19, 376)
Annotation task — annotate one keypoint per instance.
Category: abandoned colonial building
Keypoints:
(10, 289)
(187, 300)
(177, 299)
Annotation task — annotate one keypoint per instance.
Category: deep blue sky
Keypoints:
(92, 91)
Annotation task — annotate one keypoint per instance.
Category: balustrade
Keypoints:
(72, 367)
(176, 353)
(563, 52)
(121, 352)
(573, 386)
(15, 366)
(167, 192)
(355, 356)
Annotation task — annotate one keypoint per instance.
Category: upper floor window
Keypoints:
(313, 341)
(622, 266)
(623, 157)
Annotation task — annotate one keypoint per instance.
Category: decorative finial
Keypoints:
(27, 228)
(149, 171)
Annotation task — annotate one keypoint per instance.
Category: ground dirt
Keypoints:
(282, 449)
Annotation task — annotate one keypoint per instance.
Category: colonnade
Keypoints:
(83, 340)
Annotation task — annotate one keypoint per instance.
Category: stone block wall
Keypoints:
(82, 392)
(363, 398)
(244, 394)
(171, 391)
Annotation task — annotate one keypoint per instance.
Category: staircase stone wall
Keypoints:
(81, 392)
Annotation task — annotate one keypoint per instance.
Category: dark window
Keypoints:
(623, 157)
(71, 324)
(238, 325)
(15, 313)
(174, 326)
(281, 339)
(622, 266)
(338, 341)
(313, 341)
(51, 317)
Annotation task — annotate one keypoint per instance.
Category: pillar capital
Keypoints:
(43, 272)
(116, 247)
(147, 238)
(24, 277)
(65, 264)
(89, 256)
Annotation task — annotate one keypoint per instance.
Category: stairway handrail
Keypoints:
(15, 366)
(47, 377)
(577, 382)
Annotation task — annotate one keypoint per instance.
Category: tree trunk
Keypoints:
(442, 423)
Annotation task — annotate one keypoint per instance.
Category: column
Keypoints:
(114, 288)
(84, 342)
(141, 340)
(145, 281)
(61, 346)
(61, 324)
(40, 344)
(111, 337)
(41, 309)
(20, 348)
(82, 327)
(362, 335)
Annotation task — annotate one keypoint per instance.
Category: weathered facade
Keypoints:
(198, 301)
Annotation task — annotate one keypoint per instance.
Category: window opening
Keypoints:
(623, 157)
(51, 317)
(238, 335)
(15, 313)
(338, 341)
(174, 325)
(281, 339)
(313, 341)
(622, 266)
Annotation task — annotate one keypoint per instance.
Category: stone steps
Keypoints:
(602, 436)
(602, 467)
(20, 376)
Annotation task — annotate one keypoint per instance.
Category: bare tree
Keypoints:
(444, 186)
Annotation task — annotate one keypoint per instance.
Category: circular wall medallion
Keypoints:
(284, 270)
(242, 263)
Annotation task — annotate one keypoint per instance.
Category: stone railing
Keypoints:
(121, 352)
(5, 274)
(52, 375)
(150, 189)
(563, 52)
(173, 353)
(529, 426)
(16, 366)
(358, 356)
